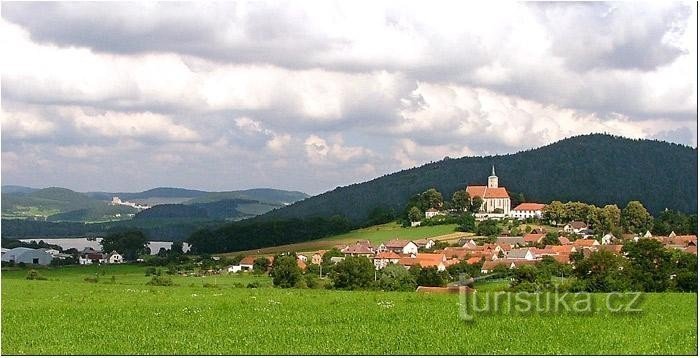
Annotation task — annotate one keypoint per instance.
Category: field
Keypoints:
(375, 234)
(65, 315)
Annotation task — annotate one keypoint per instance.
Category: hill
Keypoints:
(597, 169)
(14, 189)
(264, 195)
(49, 202)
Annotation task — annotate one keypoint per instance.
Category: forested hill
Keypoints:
(597, 169)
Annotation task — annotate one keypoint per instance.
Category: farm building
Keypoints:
(27, 256)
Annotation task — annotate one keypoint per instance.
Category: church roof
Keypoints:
(486, 193)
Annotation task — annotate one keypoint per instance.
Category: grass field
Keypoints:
(65, 315)
(375, 234)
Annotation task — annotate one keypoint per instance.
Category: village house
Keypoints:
(382, 259)
(400, 247)
(575, 227)
(424, 243)
(495, 199)
(247, 263)
(527, 211)
(514, 241)
(113, 258)
(317, 257)
(586, 243)
(521, 254)
(431, 212)
(302, 257)
(358, 249)
(532, 239)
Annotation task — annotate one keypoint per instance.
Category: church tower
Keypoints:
(493, 179)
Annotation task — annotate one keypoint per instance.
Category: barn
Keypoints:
(27, 256)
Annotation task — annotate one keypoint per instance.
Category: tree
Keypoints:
(635, 218)
(555, 211)
(488, 228)
(603, 271)
(552, 238)
(261, 264)
(431, 198)
(285, 271)
(396, 278)
(466, 223)
(650, 264)
(430, 276)
(460, 200)
(475, 207)
(176, 248)
(609, 218)
(353, 273)
(130, 244)
(415, 214)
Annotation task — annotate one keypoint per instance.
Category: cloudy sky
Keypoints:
(316, 94)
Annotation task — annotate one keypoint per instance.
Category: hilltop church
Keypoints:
(494, 197)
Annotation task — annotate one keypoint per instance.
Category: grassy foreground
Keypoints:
(65, 315)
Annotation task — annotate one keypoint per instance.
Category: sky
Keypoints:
(318, 94)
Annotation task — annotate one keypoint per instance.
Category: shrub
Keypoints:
(255, 284)
(210, 285)
(160, 281)
(92, 279)
(150, 271)
(238, 285)
(34, 275)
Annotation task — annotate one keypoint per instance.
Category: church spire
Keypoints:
(493, 170)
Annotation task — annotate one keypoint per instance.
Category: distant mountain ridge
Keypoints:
(596, 168)
(60, 204)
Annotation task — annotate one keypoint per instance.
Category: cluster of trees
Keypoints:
(676, 221)
(644, 266)
(247, 235)
(633, 218)
(460, 203)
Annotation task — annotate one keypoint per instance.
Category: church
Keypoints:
(495, 199)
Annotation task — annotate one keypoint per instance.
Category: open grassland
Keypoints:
(65, 315)
(375, 234)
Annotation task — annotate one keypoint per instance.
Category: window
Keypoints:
(35, 261)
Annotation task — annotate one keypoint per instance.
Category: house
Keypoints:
(532, 239)
(302, 264)
(407, 261)
(564, 240)
(615, 249)
(527, 211)
(317, 257)
(247, 263)
(464, 241)
(514, 241)
(521, 254)
(561, 249)
(586, 243)
(113, 258)
(424, 243)
(495, 199)
(539, 253)
(52, 252)
(302, 257)
(575, 227)
(358, 249)
(382, 259)
(89, 257)
(27, 256)
(401, 246)
(431, 212)
(430, 260)
(455, 252)
(233, 268)
(647, 235)
(607, 239)
(335, 259)
(489, 266)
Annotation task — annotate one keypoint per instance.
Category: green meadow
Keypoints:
(66, 315)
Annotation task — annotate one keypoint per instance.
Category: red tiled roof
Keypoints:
(562, 258)
(387, 255)
(396, 243)
(248, 260)
(533, 237)
(584, 242)
(561, 249)
(458, 252)
(431, 257)
(529, 207)
(358, 249)
(692, 249)
(578, 224)
(473, 260)
(564, 240)
(614, 248)
(485, 192)
(408, 261)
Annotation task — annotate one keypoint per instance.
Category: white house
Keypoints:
(521, 254)
(431, 212)
(527, 211)
(113, 258)
(233, 268)
(382, 259)
(575, 227)
(401, 247)
(424, 243)
(302, 257)
(52, 252)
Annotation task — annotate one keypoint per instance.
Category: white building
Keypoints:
(496, 202)
(27, 256)
(113, 258)
(527, 211)
(431, 212)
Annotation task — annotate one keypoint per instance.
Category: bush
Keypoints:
(396, 278)
(150, 271)
(34, 275)
(92, 279)
(238, 285)
(285, 272)
(255, 284)
(352, 273)
(312, 281)
(160, 281)
(210, 285)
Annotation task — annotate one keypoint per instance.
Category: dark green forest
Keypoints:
(598, 169)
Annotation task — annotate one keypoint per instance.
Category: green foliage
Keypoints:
(603, 271)
(285, 271)
(671, 220)
(396, 278)
(250, 234)
(475, 206)
(160, 281)
(261, 264)
(635, 218)
(355, 272)
(130, 244)
(415, 214)
(380, 215)
(488, 228)
(430, 276)
(650, 265)
(460, 200)
(467, 223)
